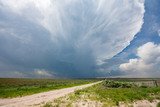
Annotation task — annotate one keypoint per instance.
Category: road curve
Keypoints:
(36, 99)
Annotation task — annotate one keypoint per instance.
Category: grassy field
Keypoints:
(10, 87)
(124, 93)
(112, 92)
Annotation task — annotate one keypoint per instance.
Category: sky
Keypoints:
(79, 38)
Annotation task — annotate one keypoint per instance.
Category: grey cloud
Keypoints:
(67, 37)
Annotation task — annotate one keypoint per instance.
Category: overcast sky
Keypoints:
(79, 38)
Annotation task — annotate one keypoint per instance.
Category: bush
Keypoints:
(143, 86)
(158, 105)
(117, 84)
(48, 105)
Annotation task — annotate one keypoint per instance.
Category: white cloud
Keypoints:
(148, 60)
(81, 33)
(158, 32)
(42, 73)
(103, 24)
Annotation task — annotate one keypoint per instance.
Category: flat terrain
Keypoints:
(17, 87)
(113, 93)
(117, 92)
(38, 99)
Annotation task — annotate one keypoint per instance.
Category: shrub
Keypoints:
(158, 105)
(48, 105)
(143, 86)
(117, 84)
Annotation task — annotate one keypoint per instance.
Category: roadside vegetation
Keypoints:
(110, 93)
(158, 105)
(116, 92)
(10, 87)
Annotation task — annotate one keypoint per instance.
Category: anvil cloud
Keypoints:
(67, 38)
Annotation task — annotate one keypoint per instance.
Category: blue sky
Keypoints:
(148, 33)
(79, 38)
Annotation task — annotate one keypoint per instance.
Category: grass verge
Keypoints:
(20, 87)
(110, 93)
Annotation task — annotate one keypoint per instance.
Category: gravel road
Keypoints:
(36, 99)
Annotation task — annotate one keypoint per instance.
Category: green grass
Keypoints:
(10, 87)
(115, 92)
(48, 105)
(127, 94)
(158, 105)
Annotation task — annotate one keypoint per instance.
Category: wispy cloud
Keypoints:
(72, 36)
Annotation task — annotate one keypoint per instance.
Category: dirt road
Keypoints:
(36, 99)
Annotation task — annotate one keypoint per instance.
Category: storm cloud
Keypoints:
(69, 38)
